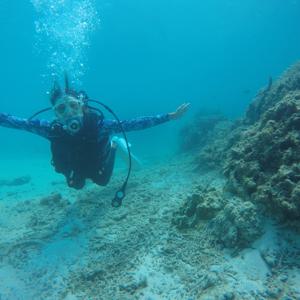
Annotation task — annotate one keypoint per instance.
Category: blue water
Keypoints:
(146, 57)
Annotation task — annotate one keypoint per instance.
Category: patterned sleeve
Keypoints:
(39, 127)
(135, 124)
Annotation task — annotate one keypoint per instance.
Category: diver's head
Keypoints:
(69, 111)
(69, 107)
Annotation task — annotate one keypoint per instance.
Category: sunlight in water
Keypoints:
(63, 31)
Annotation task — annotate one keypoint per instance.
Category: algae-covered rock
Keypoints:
(196, 134)
(200, 206)
(214, 151)
(237, 225)
(264, 164)
(273, 93)
(53, 198)
(220, 219)
(260, 157)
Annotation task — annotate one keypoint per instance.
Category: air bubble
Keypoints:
(63, 32)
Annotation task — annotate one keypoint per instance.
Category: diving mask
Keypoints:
(69, 112)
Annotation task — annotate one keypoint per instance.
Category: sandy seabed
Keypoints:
(57, 243)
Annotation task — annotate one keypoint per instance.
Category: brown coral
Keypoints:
(260, 154)
(264, 164)
(268, 97)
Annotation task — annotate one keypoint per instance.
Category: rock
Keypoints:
(259, 154)
(228, 296)
(237, 225)
(16, 182)
(270, 257)
(264, 164)
(216, 269)
(120, 217)
(209, 280)
(133, 287)
(94, 275)
(54, 198)
(272, 94)
(283, 278)
(196, 134)
(262, 158)
(233, 225)
(273, 293)
(201, 206)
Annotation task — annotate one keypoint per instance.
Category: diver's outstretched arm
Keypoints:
(39, 127)
(180, 111)
(134, 124)
(144, 122)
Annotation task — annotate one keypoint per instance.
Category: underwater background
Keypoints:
(144, 57)
(213, 213)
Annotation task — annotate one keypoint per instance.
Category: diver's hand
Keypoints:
(180, 111)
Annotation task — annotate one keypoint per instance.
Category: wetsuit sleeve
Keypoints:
(135, 124)
(39, 127)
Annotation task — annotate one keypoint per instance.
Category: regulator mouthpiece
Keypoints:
(73, 125)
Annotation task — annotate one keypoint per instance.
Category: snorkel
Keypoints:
(74, 123)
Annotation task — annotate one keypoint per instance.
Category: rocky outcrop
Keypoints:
(237, 225)
(264, 165)
(214, 153)
(201, 206)
(197, 133)
(273, 93)
(226, 221)
(260, 154)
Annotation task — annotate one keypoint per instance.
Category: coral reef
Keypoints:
(201, 206)
(227, 221)
(273, 93)
(260, 154)
(237, 225)
(196, 134)
(265, 163)
(208, 137)
(214, 152)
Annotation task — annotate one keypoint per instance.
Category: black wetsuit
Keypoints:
(84, 155)
(88, 154)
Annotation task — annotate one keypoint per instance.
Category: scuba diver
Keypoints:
(82, 142)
